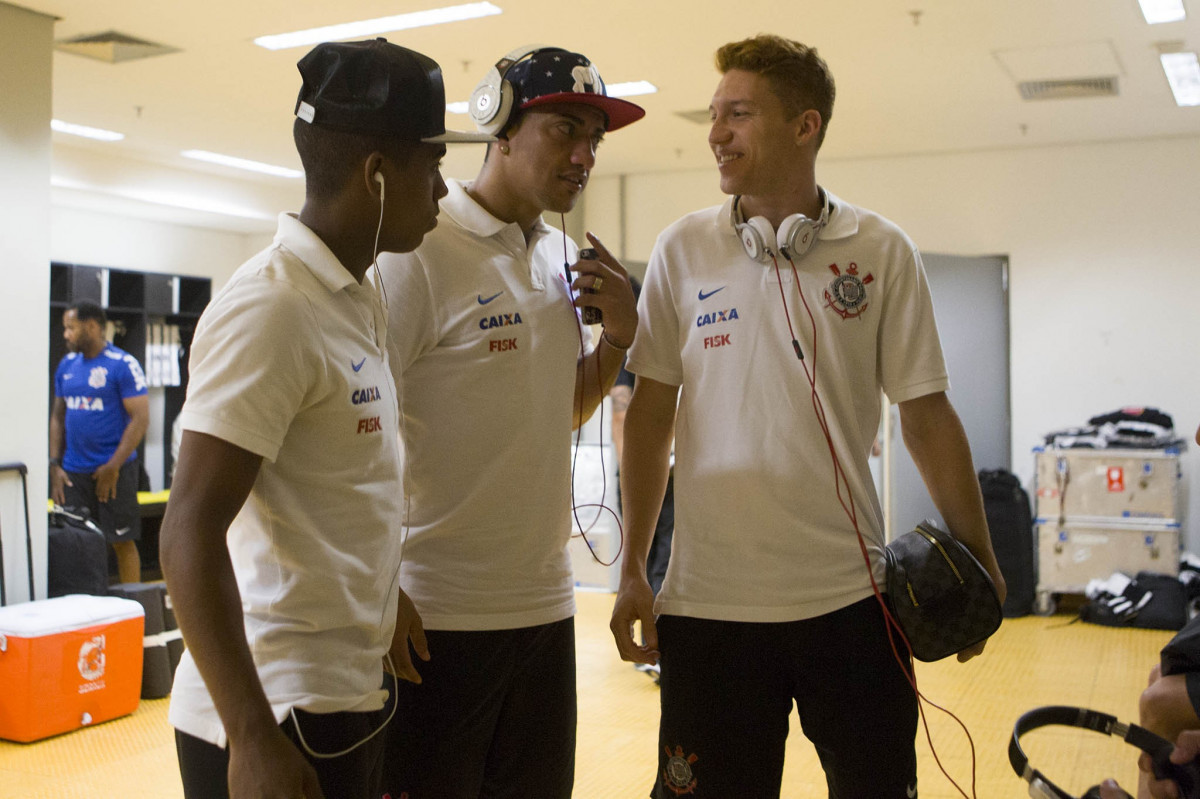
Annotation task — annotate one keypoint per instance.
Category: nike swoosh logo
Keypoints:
(704, 296)
(358, 365)
(483, 301)
(122, 531)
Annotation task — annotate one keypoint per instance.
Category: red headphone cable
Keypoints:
(848, 506)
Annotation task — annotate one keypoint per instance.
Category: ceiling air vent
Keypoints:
(701, 116)
(1067, 89)
(112, 47)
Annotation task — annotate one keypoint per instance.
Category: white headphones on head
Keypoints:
(795, 236)
(491, 103)
(382, 187)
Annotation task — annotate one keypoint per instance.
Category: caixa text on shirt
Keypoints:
(85, 403)
(500, 320)
(362, 396)
(716, 318)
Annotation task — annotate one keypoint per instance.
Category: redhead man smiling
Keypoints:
(768, 601)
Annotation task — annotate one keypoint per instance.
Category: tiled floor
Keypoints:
(1030, 662)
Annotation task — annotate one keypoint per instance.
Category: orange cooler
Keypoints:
(68, 662)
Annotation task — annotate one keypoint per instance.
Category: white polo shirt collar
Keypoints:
(309, 248)
(463, 209)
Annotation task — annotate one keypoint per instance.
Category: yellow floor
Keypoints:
(1031, 661)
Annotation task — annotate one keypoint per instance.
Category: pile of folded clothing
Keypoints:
(1127, 428)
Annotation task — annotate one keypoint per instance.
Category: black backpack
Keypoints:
(77, 555)
(1010, 522)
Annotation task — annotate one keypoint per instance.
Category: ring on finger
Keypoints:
(599, 282)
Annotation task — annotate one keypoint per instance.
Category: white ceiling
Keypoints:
(941, 80)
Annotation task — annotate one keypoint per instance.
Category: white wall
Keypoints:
(1100, 237)
(97, 238)
(1104, 250)
(26, 39)
(128, 214)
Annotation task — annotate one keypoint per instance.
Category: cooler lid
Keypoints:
(65, 614)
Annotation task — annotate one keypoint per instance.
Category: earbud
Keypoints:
(382, 186)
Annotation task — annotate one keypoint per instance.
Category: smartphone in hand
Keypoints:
(591, 315)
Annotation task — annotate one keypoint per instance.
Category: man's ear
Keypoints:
(809, 127)
(501, 144)
(372, 166)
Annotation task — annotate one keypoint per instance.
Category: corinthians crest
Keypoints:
(847, 294)
(678, 775)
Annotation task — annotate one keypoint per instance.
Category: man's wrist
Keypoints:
(56, 462)
(632, 571)
(607, 339)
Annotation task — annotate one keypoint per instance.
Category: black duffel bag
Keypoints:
(77, 554)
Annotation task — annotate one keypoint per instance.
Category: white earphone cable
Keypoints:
(330, 755)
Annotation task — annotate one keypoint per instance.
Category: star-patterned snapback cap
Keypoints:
(560, 76)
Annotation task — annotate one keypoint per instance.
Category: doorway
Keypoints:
(970, 298)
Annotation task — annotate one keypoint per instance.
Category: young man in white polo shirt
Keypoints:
(768, 600)
(489, 351)
(281, 544)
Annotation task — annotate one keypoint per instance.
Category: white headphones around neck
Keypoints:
(491, 103)
(795, 236)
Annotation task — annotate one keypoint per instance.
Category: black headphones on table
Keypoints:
(1186, 776)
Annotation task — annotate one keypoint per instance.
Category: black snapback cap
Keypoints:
(377, 88)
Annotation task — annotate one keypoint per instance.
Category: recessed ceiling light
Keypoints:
(1183, 73)
(631, 88)
(83, 130)
(458, 108)
(187, 201)
(242, 163)
(371, 27)
(1156, 11)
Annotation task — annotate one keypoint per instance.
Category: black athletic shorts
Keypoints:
(727, 691)
(494, 717)
(120, 518)
(204, 767)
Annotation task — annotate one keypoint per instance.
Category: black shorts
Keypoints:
(204, 767)
(120, 518)
(727, 691)
(494, 717)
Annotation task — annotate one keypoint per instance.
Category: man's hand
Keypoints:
(59, 479)
(408, 628)
(972, 651)
(611, 293)
(1187, 748)
(1110, 790)
(271, 767)
(106, 481)
(635, 602)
